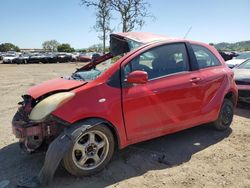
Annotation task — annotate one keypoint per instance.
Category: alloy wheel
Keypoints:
(90, 150)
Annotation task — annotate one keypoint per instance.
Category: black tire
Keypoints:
(225, 117)
(69, 163)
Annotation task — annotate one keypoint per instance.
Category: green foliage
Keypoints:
(50, 45)
(238, 46)
(65, 48)
(83, 50)
(95, 48)
(4, 47)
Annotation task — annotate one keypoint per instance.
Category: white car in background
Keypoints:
(243, 56)
(1, 55)
(8, 58)
(75, 56)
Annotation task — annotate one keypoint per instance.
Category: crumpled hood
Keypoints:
(58, 84)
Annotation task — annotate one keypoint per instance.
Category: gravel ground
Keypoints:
(197, 157)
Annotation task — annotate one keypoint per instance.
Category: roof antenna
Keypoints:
(187, 32)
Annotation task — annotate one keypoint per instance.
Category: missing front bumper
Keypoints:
(31, 134)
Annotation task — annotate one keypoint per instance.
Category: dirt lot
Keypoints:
(198, 157)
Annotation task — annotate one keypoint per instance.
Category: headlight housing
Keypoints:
(48, 105)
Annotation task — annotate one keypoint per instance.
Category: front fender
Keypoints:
(95, 100)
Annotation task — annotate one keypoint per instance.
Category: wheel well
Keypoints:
(113, 130)
(231, 96)
(94, 121)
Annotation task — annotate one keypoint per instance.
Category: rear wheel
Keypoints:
(91, 152)
(225, 117)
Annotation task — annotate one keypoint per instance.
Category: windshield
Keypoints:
(133, 44)
(245, 65)
(89, 75)
(10, 55)
(98, 65)
(244, 55)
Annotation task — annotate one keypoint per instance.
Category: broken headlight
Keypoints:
(48, 105)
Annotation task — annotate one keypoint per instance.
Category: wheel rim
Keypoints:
(227, 115)
(90, 150)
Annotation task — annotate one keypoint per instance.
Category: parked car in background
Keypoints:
(63, 57)
(242, 79)
(22, 59)
(50, 58)
(1, 55)
(75, 56)
(37, 58)
(242, 56)
(8, 58)
(84, 58)
(46, 57)
(158, 85)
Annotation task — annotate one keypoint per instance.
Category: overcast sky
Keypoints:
(28, 23)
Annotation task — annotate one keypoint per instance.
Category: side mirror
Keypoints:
(137, 77)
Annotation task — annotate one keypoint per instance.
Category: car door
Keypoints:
(169, 101)
(214, 79)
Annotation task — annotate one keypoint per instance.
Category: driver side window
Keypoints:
(160, 61)
(142, 62)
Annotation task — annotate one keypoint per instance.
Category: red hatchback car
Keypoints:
(158, 86)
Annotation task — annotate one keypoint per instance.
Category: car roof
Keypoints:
(144, 37)
(147, 37)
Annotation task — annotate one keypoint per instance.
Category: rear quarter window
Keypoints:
(205, 58)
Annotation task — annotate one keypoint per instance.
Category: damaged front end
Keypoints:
(36, 134)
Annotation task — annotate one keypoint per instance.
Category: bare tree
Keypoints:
(133, 13)
(103, 17)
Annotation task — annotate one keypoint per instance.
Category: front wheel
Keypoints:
(225, 117)
(91, 152)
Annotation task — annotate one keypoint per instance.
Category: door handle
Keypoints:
(155, 91)
(195, 79)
